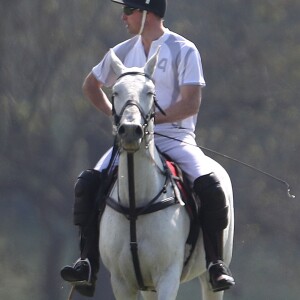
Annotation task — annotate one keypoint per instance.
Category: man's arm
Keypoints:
(92, 89)
(188, 105)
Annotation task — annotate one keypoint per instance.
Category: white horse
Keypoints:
(146, 251)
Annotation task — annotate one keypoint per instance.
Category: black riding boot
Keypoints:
(213, 219)
(86, 215)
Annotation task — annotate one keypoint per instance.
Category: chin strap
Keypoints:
(143, 22)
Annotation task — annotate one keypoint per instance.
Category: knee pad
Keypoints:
(215, 220)
(86, 188)
(213, 208)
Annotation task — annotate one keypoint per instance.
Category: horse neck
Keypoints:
(143, 171)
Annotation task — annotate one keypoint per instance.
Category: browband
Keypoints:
(135, 73)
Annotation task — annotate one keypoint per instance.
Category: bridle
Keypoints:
(147, 117)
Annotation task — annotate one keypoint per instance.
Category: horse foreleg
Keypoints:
(207, 293)
(149, 295)
(168, 285)
(122, 291)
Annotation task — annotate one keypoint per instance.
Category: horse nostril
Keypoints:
(139, 131)
(130, 131)
(121, 130)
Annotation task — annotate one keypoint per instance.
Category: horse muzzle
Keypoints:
(131, 136)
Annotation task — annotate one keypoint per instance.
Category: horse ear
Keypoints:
(151, 63)
(116, 63)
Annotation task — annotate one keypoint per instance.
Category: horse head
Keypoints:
(133, 99)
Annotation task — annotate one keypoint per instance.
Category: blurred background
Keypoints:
(49, 133)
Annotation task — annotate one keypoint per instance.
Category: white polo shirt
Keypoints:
(179, 63)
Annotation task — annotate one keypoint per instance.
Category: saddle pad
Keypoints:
(191, 204)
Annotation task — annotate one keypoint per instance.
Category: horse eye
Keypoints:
(115, 94)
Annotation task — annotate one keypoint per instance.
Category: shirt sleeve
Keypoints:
(190, 70)
(103, 71)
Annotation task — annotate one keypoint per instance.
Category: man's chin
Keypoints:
(130, 31)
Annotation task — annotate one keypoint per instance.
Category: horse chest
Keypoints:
(157, 234)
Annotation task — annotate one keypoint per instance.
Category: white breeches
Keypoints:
(189, 157)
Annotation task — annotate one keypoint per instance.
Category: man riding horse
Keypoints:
(178, 82)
